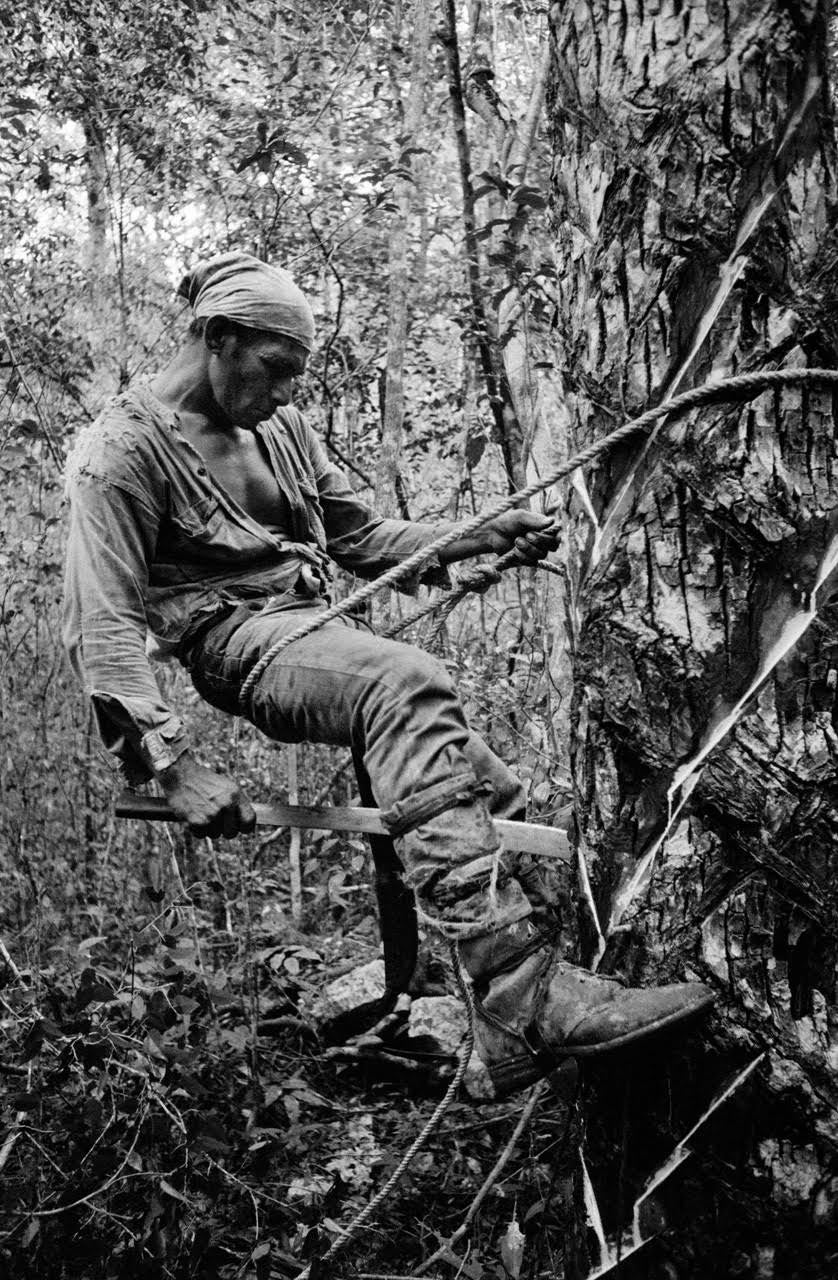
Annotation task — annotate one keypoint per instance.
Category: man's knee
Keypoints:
(412, 674)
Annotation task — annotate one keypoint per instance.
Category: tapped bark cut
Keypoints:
(694, 183)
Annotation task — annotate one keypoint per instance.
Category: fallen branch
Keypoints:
(371, 1054)
(4, 952)
(16, 1129)
(444, 1250)
(11, 1139)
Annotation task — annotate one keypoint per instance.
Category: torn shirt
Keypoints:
(156, 547)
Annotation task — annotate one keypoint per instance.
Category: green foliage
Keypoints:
(166, 1104)
(150, 1125)
(144, 1112)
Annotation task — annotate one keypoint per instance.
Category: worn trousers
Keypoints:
(396, 706)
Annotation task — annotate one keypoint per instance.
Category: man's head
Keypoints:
(251, 371)
(257, 329)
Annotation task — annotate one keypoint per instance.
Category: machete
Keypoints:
(525, 837)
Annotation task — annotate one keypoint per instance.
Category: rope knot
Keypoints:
(478, 581)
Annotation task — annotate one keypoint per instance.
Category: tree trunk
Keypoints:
(387, 472)
(693, 186)
(505, 426)
(96, 183)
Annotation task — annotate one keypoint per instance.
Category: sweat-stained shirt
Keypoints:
(156, 547)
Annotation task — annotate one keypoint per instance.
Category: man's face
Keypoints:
(252, 374)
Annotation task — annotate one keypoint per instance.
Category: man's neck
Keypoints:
(184, 386)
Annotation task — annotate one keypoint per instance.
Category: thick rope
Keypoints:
(466, 1050)
(744, 385)
(473, 582)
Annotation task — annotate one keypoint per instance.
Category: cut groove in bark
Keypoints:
(694, 180)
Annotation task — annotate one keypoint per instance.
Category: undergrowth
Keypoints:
(168, 1108)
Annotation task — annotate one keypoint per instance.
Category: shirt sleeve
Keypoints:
(367, 544)
(111, 541)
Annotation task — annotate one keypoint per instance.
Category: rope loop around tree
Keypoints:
(743, 385)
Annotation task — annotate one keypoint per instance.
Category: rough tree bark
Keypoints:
(694, 187)
(387, 475)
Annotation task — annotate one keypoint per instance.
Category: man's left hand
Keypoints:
(533, 536)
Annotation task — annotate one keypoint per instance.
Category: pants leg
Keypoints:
(393, 704)
(506, 797)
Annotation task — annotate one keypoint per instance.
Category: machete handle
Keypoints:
(131, 804)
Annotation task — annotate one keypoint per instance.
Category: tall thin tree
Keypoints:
(387, 476)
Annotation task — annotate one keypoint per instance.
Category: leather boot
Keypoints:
(533, 1007)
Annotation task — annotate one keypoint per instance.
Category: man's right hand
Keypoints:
(210, 802)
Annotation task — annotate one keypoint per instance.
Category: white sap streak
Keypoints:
(610, 1256)
(673, 1162)
(682, 1152)
(593, 1213)
(729, 274)
(580, 484)
(686, 776)
(828, 567)
(723, 1096)
(792, 630)
(731, 271)
(616, 1257)
(642, 873)
(640, 876)
(588, 895)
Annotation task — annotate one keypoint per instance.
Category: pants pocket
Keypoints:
(215, 677)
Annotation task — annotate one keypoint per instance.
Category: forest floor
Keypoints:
(169, 1109)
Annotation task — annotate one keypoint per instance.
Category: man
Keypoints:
(204, 513)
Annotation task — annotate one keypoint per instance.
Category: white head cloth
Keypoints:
(250, 292)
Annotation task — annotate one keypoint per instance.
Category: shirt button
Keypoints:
(202, 471)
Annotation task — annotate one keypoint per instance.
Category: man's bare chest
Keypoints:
(239, 465)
